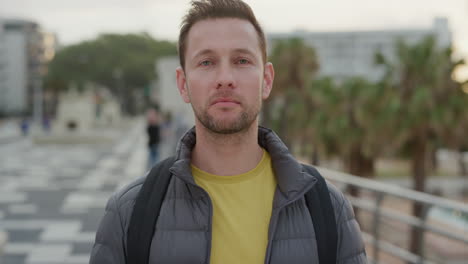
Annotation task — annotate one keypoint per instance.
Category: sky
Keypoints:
(75, 21)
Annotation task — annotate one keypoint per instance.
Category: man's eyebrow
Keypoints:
(210, 51)
(203, 52)
(246, 51)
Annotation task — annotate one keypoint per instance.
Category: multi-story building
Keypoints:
(19, 35)
(347, 54)
(25, 51)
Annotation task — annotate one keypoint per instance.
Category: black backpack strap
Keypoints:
(146, 211)
(323, 217)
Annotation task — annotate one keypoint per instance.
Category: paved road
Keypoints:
(53, 196)
(9, 131)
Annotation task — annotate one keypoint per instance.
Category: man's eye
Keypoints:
(243, 61)
(205, 63)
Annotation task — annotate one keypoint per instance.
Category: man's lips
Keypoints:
(225, 101)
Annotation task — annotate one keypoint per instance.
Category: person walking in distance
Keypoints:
(153, 130)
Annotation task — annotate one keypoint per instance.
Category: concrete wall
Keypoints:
(77, 108)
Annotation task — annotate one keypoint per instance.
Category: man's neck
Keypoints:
(227, 155)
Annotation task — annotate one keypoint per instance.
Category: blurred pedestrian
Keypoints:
(46, 124)
(24, 126)
(153, 130)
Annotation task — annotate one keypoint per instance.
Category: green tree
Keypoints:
(431, 104)
(456, 138)
(295, 66)
(351, 121)
(123, 63)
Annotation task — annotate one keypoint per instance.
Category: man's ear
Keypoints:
(182, 84)
(268, 77)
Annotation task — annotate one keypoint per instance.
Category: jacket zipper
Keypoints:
(210, 221)
(210, 226)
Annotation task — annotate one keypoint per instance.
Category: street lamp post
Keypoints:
(38, 107)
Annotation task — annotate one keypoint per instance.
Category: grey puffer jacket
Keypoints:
(183, 229)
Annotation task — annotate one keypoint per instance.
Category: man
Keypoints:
(236, 194)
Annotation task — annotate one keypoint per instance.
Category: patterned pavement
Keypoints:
(52, 197)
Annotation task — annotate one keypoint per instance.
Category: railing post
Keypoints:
(425, 212)
(376, 225)
(3, 241)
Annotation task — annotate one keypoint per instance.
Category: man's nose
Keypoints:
(225, 78)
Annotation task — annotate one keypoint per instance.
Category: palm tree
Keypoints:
(352, 119)
(295, 65)
(430, 105)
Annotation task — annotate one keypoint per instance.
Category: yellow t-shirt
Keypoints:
(242, 206)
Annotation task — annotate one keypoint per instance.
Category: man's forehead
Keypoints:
(223, 23)
(212, 35)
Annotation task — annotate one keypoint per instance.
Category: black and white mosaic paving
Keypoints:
(52, 197)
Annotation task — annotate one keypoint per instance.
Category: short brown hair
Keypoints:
(210, 9)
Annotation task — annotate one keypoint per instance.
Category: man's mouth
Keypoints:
(225, 102)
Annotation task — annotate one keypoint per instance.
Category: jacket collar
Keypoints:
(290, 175)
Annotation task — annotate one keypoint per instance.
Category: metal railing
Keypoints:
(373, 200)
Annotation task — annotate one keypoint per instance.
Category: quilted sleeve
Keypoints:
(109, 244)
(351, 248)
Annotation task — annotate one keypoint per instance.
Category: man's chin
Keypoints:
(227, 129)
(226, 124)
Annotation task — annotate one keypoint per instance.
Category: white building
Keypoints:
(24, 52)
(347, 54)
(17, 89)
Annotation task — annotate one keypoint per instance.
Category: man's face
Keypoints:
(225, 78)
